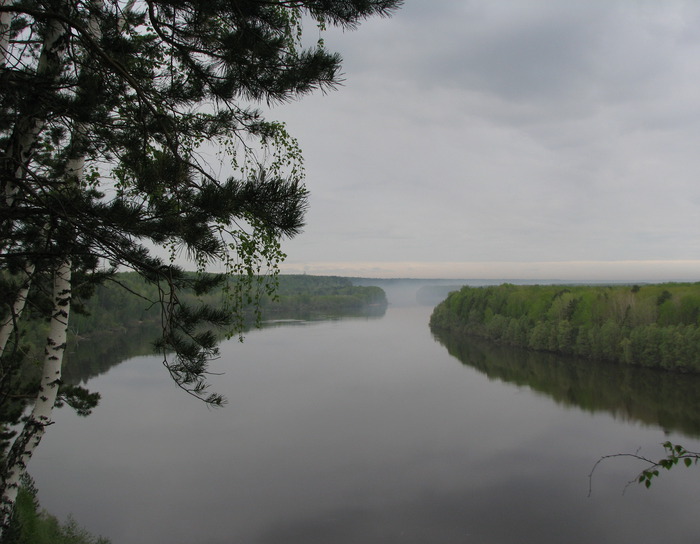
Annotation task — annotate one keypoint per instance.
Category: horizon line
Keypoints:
(630, 270)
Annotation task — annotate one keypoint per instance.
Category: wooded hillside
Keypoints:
(649, 325)
(129, 300)
(124, 319)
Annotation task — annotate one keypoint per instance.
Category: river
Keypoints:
(369, 430)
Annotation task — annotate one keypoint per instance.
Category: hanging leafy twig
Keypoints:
(675, 454)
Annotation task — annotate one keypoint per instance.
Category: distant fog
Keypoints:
(430, 292)
(424, 292)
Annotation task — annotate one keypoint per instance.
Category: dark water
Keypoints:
(373, 431)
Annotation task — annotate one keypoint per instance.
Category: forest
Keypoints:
(654, 325)
(123, 318)
(127, 301)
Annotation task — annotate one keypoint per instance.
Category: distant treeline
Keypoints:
(654, 326)
(122, 319)
(321, 294)
(122, 325)
(127, 301)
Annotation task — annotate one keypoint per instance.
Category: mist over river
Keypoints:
(371, 430)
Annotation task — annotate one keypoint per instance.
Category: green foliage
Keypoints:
(32, 525)
(123, 317)
(111, 112)
(651, 325)
(321, 294)
(667, 400)
(127, 301)
(675, 454)
(127, 306)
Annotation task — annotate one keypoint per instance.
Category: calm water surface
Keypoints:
(364, 431)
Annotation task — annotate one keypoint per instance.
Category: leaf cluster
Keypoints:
(674, 454)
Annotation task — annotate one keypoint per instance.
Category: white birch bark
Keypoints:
(9, 324)
(25, 137)
(27, 441)
(51, 54)
(27, 130)
(5, 20)
(40, 417)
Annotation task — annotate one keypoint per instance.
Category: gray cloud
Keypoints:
(508, 131)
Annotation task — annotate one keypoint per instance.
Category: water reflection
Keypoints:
(658, 398)
(361, 430)
(87, 358)
(273, 319)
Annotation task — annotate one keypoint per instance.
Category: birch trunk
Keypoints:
(28, 128)
(9, 324)
(5, 20)
(27, 441)
(21, 147)
(40, 417)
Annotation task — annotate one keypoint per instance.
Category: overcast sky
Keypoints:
(507, 139)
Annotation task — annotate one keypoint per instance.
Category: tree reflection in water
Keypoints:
(652, 397)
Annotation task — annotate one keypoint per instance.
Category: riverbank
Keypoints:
(654, 326)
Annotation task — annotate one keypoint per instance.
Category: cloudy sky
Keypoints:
(507, 139)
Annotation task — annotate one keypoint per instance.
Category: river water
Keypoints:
(371, 430)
